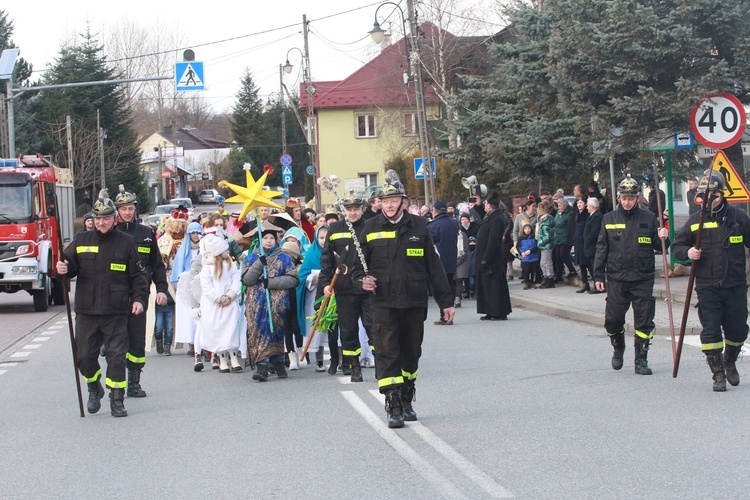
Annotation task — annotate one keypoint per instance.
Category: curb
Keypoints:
(552, 309)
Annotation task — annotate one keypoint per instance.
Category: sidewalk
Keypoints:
(562, 301)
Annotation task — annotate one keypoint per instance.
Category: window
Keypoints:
(370, 179)
(366, 126)
(677, 190)
(410, 124)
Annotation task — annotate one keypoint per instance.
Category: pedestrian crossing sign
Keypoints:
(189, 76)
(735, 190)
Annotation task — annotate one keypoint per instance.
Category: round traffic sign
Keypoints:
(285, 160)
(718, 121)
(310, 169)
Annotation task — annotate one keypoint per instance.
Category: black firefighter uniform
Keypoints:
(109, 280)
(403, 259)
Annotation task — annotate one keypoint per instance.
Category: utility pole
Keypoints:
(283, 107)
(100, 132)
(424, 144)
(69, 140)
(312, 138)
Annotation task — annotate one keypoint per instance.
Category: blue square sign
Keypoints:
(189, 76)
(419, 171)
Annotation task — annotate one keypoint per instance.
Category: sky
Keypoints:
(228, 36)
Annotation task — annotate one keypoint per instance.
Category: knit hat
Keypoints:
(87, 217)
(464, 214)
(440, 206)
(217, 246)
(494, 199)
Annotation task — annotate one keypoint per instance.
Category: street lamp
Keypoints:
(411, 43)
(310, 129)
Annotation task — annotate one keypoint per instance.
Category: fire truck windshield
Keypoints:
(15, 203)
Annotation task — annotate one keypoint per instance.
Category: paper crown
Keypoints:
(178, 214)
(293, 202)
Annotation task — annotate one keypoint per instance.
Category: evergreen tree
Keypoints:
(26, 140)
(85, 62)
(569, 72)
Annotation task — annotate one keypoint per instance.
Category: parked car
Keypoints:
(208, 196)
(159, 212)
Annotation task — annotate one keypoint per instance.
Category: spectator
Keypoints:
(590, 236)
(653, 203)
(595, 193)
(444, 231)
(469, 228)
(564, 229)
(584, 264)
(545, 229)
(373, 209)
(529, 256)
(461, 278)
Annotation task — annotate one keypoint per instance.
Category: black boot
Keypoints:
(409, 394)
(346, 367)
(394, 408)
(116, 406)
(585, 288)
(159, 347)
(134, 384)
(715, 361)
(261, 372)
(356, 369)
(730, 358)
(96, 393)
(618, 348)
(280, 370)
(641, 353)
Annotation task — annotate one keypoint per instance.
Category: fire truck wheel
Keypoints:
(41, 297)
(58, 292)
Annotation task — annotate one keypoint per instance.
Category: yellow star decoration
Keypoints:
(253, 195)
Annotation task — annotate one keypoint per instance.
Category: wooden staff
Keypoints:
(691, 279)
(66, 289)
(665, 266)
(322, 308)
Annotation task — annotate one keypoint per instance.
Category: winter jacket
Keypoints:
(339, 242)
(110, 276)
(564, 227)
(403, 259)
(444, 232)
(626, 244)
(147, 249)
(528, 243)
(724, 238)
(591, 233)
(544, 234)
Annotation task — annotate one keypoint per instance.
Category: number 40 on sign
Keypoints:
(718, 121)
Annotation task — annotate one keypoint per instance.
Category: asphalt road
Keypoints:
(528, 408)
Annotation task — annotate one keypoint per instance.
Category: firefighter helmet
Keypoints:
(711, 180)
(628, 187)
(124, 198)
(352, 200)
(103, 206)
(392, 186)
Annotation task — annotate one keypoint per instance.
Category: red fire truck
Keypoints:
(29, 246)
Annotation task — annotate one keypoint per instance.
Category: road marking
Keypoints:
(8, 364)
(48, 332)
(20, 354)
(470, 470)
(40, 339)
(32, 346)
(54, 327)
(3, 371)
(345, 380)
(441, 485)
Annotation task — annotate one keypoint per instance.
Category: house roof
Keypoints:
(378, 83)
(191, 138)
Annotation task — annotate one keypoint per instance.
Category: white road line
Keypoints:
(345, 380)
(20, 354)
(469, 469)
(40, 339)
(32, 346)
(3, 371)
(48, 332)
(441, 485)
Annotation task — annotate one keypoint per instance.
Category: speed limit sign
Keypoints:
(718, 121)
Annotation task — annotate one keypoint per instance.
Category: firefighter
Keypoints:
(719, 277)
(625, 254)
(352, 303)
(111, 284)
(402, 260)
(153, 265)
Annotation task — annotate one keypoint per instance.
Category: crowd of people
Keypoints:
(272, 291)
